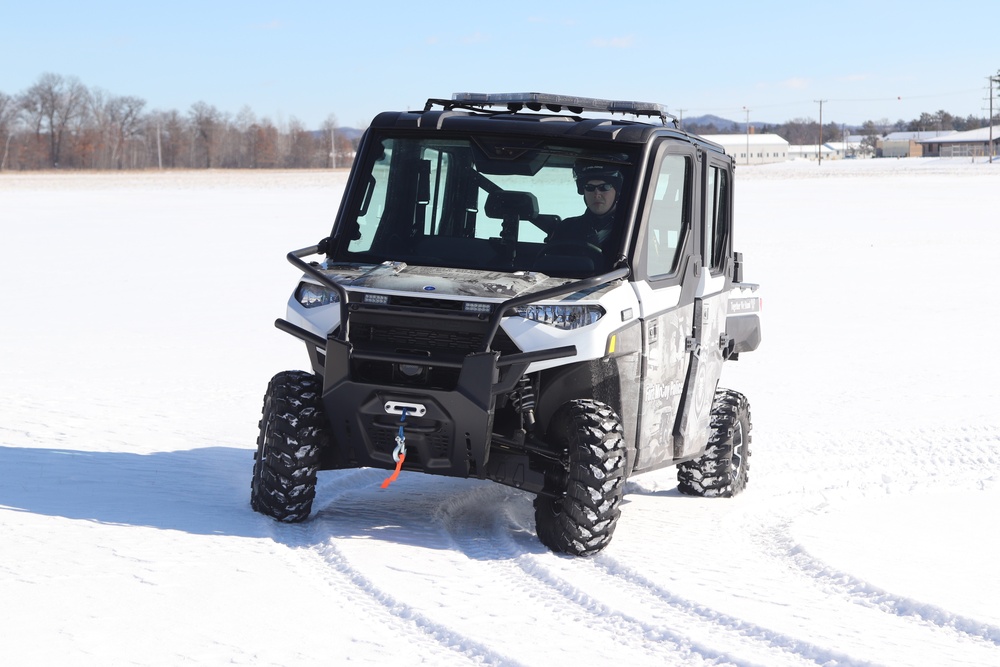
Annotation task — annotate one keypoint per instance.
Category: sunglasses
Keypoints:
(603, 187)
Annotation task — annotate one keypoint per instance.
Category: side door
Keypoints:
(666, 264)
(705, 342)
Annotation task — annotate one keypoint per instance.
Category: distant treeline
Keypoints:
(60, 123)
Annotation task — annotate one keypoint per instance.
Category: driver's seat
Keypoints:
(511, 207)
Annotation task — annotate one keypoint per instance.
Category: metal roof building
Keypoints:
(752, 148)
(906, 144)
(971, 143)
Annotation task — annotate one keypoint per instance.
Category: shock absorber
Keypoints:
(523, 400)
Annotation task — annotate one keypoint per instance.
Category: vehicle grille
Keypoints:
(408, 330)
(410, 338)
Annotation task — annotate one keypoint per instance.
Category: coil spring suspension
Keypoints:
(523, 400)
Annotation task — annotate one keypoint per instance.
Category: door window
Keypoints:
(667, 215)
(717, 217)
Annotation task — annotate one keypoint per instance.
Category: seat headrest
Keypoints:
(507, 203)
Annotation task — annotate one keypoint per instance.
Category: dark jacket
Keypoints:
(598, 230)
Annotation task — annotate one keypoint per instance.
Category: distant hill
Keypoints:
(710, 124)
(352, 133)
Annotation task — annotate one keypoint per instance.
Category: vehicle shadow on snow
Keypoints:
(642, 488)
(199, 491)
(482, 519)
(206, 491)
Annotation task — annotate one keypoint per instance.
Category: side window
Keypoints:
(373, 204)
(417, 206)
(717, 217)
(667, 229)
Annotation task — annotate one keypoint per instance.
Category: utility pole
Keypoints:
(680, 118)
(748, 134)
(996, 80)
(333, 149)
(819, 146)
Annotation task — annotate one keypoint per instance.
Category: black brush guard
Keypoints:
(447, 427)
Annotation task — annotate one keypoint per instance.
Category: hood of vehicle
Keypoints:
(432, 281)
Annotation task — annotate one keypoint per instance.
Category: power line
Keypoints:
(838, 100)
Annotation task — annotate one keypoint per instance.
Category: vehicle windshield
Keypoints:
(495, 203)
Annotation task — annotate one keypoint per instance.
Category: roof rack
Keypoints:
(536, 101)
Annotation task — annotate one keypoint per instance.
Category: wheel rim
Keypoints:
(738, 452)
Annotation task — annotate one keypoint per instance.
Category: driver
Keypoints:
(600, 186)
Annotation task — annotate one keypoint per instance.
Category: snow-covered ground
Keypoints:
(137, 341)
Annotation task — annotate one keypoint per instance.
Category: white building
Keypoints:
(752, 148)
(852, 148)
(811, 152)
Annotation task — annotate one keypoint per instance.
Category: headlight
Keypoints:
(312, 296)
(562, 317)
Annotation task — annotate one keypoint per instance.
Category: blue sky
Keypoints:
(310, 60)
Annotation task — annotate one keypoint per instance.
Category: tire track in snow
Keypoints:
(408, 618)
(682, 630)
(781, 644)
(491, 525)
(688, 619)
(443, 635)
(510, 558)
(946, 459)
(779, 541)
(314, 536)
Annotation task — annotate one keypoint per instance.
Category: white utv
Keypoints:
(465, 318)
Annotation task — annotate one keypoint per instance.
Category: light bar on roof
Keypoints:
(536, 101)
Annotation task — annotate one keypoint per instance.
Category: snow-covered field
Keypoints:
(137, 341)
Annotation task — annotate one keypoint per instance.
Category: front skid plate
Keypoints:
(451, 437)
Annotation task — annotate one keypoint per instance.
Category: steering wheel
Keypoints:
(573, 247)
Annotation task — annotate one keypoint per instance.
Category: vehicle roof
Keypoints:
(586, 120)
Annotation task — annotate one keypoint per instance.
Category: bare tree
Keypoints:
(301, 146)
(167, 132)
(206, 124)
(9, 115)
(54, 102)
(869, 144)
(123, 114)
(228, 144)
(243, 125)
(264, 145)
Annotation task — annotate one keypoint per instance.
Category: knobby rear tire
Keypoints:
(724, 469)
